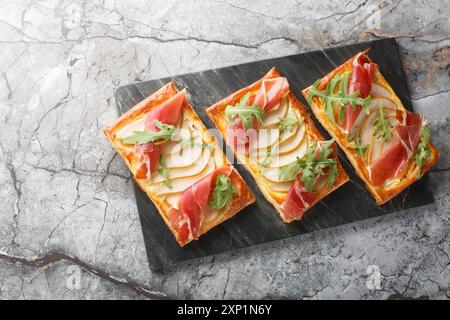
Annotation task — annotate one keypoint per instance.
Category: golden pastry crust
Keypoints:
(380, 193)
(217, 114)
(243, 196)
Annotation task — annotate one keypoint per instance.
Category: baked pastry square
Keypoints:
(178, 164)
(388, 146)
(272, 135)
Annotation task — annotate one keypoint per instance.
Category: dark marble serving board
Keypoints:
(260, 222)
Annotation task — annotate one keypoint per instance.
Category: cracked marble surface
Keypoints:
(68, 223)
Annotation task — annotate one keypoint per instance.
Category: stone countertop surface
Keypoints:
(69, 228)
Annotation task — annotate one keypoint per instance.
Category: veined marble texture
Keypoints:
(69, 228)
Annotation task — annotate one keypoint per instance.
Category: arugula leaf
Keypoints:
(288, 123)
(358, 146)
(142, 137)
(164, 171)
(312, 166)
(423, 152)
(223, 192)
(266, 161)
(308, 178)
(246, 113)
(344, 82)
(332, 174)
(339, 96)
(383, 126)
(341, 114)
(289, 172)
(191, 142)
(326, 150)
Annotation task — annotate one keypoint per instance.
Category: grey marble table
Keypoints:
(68, 222)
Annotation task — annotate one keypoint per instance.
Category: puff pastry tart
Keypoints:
(274, 138)
(178, 164)
(388, 145)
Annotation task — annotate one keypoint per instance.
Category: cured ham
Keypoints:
(148, 156)
(363, 72)
(409, 133)
(296, 202)
(268, 96)
(192, 206)
(240, 139)
(298, 199)
(270, 93)
(391, 163)
(168, 113)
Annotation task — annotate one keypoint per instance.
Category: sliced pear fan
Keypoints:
(266, 138)
(192, 170)
(291, 144)
(181, 184)
(287, 134)
(280, 186)
(271, 174)
(288, 158)
(373, 106)
(184, 134)
(377, 145)
(368, 126)
(189, 155)
(379, 91)
(273, 116)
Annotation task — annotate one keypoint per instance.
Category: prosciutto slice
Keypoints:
(298, 199)
(192, 206)
(270, 93)
(148, 156)
(239, 138)
(363, 72)
(394, 159)
(268, 96)
(168, 112)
